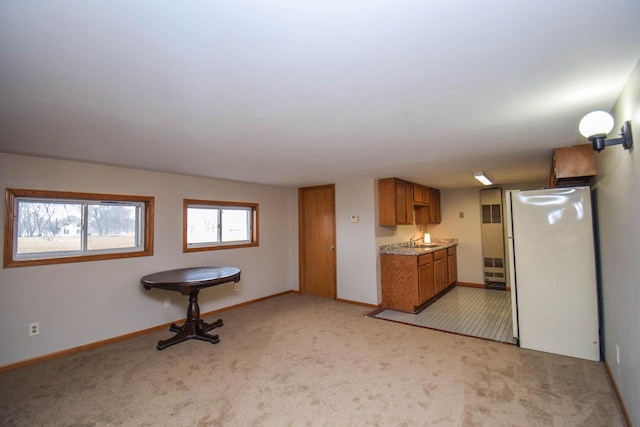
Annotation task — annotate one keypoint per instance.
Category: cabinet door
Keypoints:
(422, 215)
(387, 202)
(417, 193)
(452, 264)
(404, 202)
(440, 268)
(401, 209)
(434, 206)
(426, 282)
(408, 202)
(399, 280)
(572, 166)
(421, 194)
(393, 199)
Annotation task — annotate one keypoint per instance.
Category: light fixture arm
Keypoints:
(626, 139)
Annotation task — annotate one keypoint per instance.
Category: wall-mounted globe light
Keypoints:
(596, 125)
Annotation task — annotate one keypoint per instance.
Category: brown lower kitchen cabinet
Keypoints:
(426, 284)
(409, 281)
(452, 265)
(440, 269)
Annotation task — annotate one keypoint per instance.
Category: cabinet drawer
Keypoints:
(425, 259)
(442, 253)
(451, 250)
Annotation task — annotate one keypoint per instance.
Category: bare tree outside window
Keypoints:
(212, 225)
(111, 226)
(41, 226)
(52, 227)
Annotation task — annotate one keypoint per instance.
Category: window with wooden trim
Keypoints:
(53, 227)
(209, 225)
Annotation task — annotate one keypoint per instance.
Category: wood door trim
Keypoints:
(301, 254)
(301, 237)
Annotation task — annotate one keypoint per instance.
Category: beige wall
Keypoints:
(355, 242)
(81, 303)
(467, 229)
(617, 191)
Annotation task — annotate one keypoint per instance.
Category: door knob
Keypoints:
(332, 247)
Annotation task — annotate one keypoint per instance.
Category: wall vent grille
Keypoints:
(492, 230)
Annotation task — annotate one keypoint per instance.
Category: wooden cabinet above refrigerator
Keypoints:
(572, 166)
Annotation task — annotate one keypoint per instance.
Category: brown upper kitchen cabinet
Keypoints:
(421, 194)
(429, 213)
(434, 206)
(423, 215)
(571, 166)
(395, 202)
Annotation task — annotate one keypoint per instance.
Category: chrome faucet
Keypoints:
(413, 241)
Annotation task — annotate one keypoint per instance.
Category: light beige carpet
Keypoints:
(297, 360)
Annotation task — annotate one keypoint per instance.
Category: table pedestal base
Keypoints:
(193, 328)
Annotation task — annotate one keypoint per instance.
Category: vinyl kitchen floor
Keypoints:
(477, 312)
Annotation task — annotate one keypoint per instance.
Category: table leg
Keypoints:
(206, 327)
(193, 328)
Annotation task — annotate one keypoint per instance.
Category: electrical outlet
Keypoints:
(167, 302)
(237, 285)
(34, 329)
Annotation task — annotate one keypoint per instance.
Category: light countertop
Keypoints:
(418, 249)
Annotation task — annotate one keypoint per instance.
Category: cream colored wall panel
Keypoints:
(81, 303)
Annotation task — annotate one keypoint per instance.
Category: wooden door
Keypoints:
(317, 239)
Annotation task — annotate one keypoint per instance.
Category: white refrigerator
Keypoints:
(552, 271)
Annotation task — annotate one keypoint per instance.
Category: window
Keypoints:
(49, 227)
(209, 225)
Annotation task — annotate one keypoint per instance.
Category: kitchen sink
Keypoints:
(421, 245)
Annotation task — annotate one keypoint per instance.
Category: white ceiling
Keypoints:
(301, 93)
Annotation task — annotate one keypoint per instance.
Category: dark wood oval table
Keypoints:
(189, 281)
